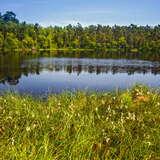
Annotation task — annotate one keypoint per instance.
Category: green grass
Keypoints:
(123, 125)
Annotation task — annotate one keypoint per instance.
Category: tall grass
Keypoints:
(77, 126)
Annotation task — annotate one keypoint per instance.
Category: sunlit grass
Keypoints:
(123, 125)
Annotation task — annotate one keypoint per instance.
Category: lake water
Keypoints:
(41, 75)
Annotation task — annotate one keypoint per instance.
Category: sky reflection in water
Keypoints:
(42, 75)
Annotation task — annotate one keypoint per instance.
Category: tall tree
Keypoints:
(10, 16)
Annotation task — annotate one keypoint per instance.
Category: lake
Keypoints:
(42, 75)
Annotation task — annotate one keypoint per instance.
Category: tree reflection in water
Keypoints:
(12, 67)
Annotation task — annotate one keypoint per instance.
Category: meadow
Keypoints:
(81, 125)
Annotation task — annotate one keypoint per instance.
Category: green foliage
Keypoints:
(125, 39)
(1, 40)
(11, 42)
(81, 126)
(28, 42)
(126, 99)
(9, 16)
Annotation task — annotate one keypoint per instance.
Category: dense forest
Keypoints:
(16, 35)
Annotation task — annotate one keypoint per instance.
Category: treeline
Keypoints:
(15, 35)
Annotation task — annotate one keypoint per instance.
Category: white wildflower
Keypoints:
(28, 129)
(52, 128)
(78, 115)
(9, 117)
(107, 118)
(47, 116)
(107, 139)
(131, 116)
(109, 108)
(149, 143)
(148, 92)
(12, 141)
(34, 126)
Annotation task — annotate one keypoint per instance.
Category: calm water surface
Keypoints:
(43, 75)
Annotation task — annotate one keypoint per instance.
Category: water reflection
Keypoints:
(14, 69)
(97, 66)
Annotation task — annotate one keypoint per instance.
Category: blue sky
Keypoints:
(106, 12)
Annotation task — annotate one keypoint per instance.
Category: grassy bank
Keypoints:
(122, 125)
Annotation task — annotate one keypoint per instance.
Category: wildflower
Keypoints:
(131, 116)
(9, 117)
(34, 126)
(109, 108)
(47, 116)
(71, 107)
(148, 92)
(28, 129)
(122, 120)
(78, 115)
(158, 104)
(12, 141)
(4, 111)
(107, 118)
(15, 126)
(107, 139)
(52, 128)
(147, 136)
(148, 143)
